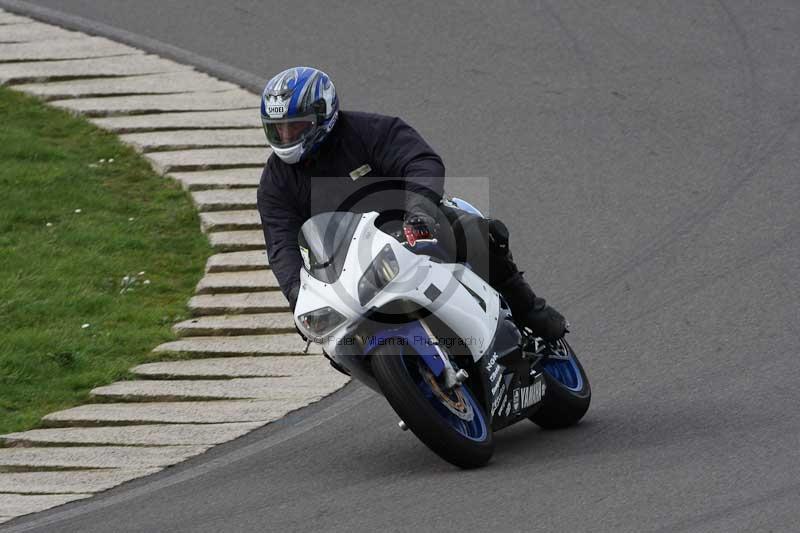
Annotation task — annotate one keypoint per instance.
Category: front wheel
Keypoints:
(451, 423)
(567, 394)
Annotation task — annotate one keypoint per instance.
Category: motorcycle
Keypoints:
(435, 339)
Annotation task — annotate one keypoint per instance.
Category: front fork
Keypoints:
(450, 376)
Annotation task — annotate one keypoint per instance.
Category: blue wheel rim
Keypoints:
(475, 429)
(566, 372)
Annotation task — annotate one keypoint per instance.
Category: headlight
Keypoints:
(318, 323)
(383, 269)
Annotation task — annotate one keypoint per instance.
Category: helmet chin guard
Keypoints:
(290, 155)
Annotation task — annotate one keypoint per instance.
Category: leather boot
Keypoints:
(530, 310)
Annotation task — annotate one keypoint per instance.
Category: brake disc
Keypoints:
(453, 399)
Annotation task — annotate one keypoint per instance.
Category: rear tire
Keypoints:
(415, 409)
(563, 406)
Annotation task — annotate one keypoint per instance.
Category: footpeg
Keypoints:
(402, 425)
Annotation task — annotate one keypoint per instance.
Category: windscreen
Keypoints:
(324, 241)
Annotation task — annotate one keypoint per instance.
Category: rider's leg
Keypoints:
(484, 244)
(529, 309)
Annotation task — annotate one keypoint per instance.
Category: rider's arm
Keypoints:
(401, 151)
(281, 221)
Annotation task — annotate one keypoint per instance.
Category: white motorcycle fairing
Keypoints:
(467, 304)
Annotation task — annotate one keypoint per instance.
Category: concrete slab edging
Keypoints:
(248, 368)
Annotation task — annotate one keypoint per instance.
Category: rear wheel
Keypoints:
(451, 423)
(568, 394)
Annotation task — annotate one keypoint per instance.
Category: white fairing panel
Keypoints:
(438, 287)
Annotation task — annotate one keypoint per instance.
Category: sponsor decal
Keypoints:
(496, 386)
(503, 404)
(498, 401)
(516, 400)
(495, 373)
(275, 111)
(491, 362)
(531, 394)
(276, 107)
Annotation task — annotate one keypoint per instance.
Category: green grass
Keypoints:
(61, 269)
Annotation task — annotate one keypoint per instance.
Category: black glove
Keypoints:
(292, 295)
(498, 237)
(419, 226)
(545, 321)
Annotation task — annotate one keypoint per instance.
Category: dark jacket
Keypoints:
(288, 195)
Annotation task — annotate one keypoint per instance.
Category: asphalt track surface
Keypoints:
(646, 156)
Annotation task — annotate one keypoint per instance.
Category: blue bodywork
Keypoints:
(409, 334)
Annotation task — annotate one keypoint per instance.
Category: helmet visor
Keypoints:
(289, 131)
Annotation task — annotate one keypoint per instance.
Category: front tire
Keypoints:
(401, 380)
(568, 394)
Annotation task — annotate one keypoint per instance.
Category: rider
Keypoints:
(321, 155)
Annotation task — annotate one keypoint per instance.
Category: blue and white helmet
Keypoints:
(298, 109)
